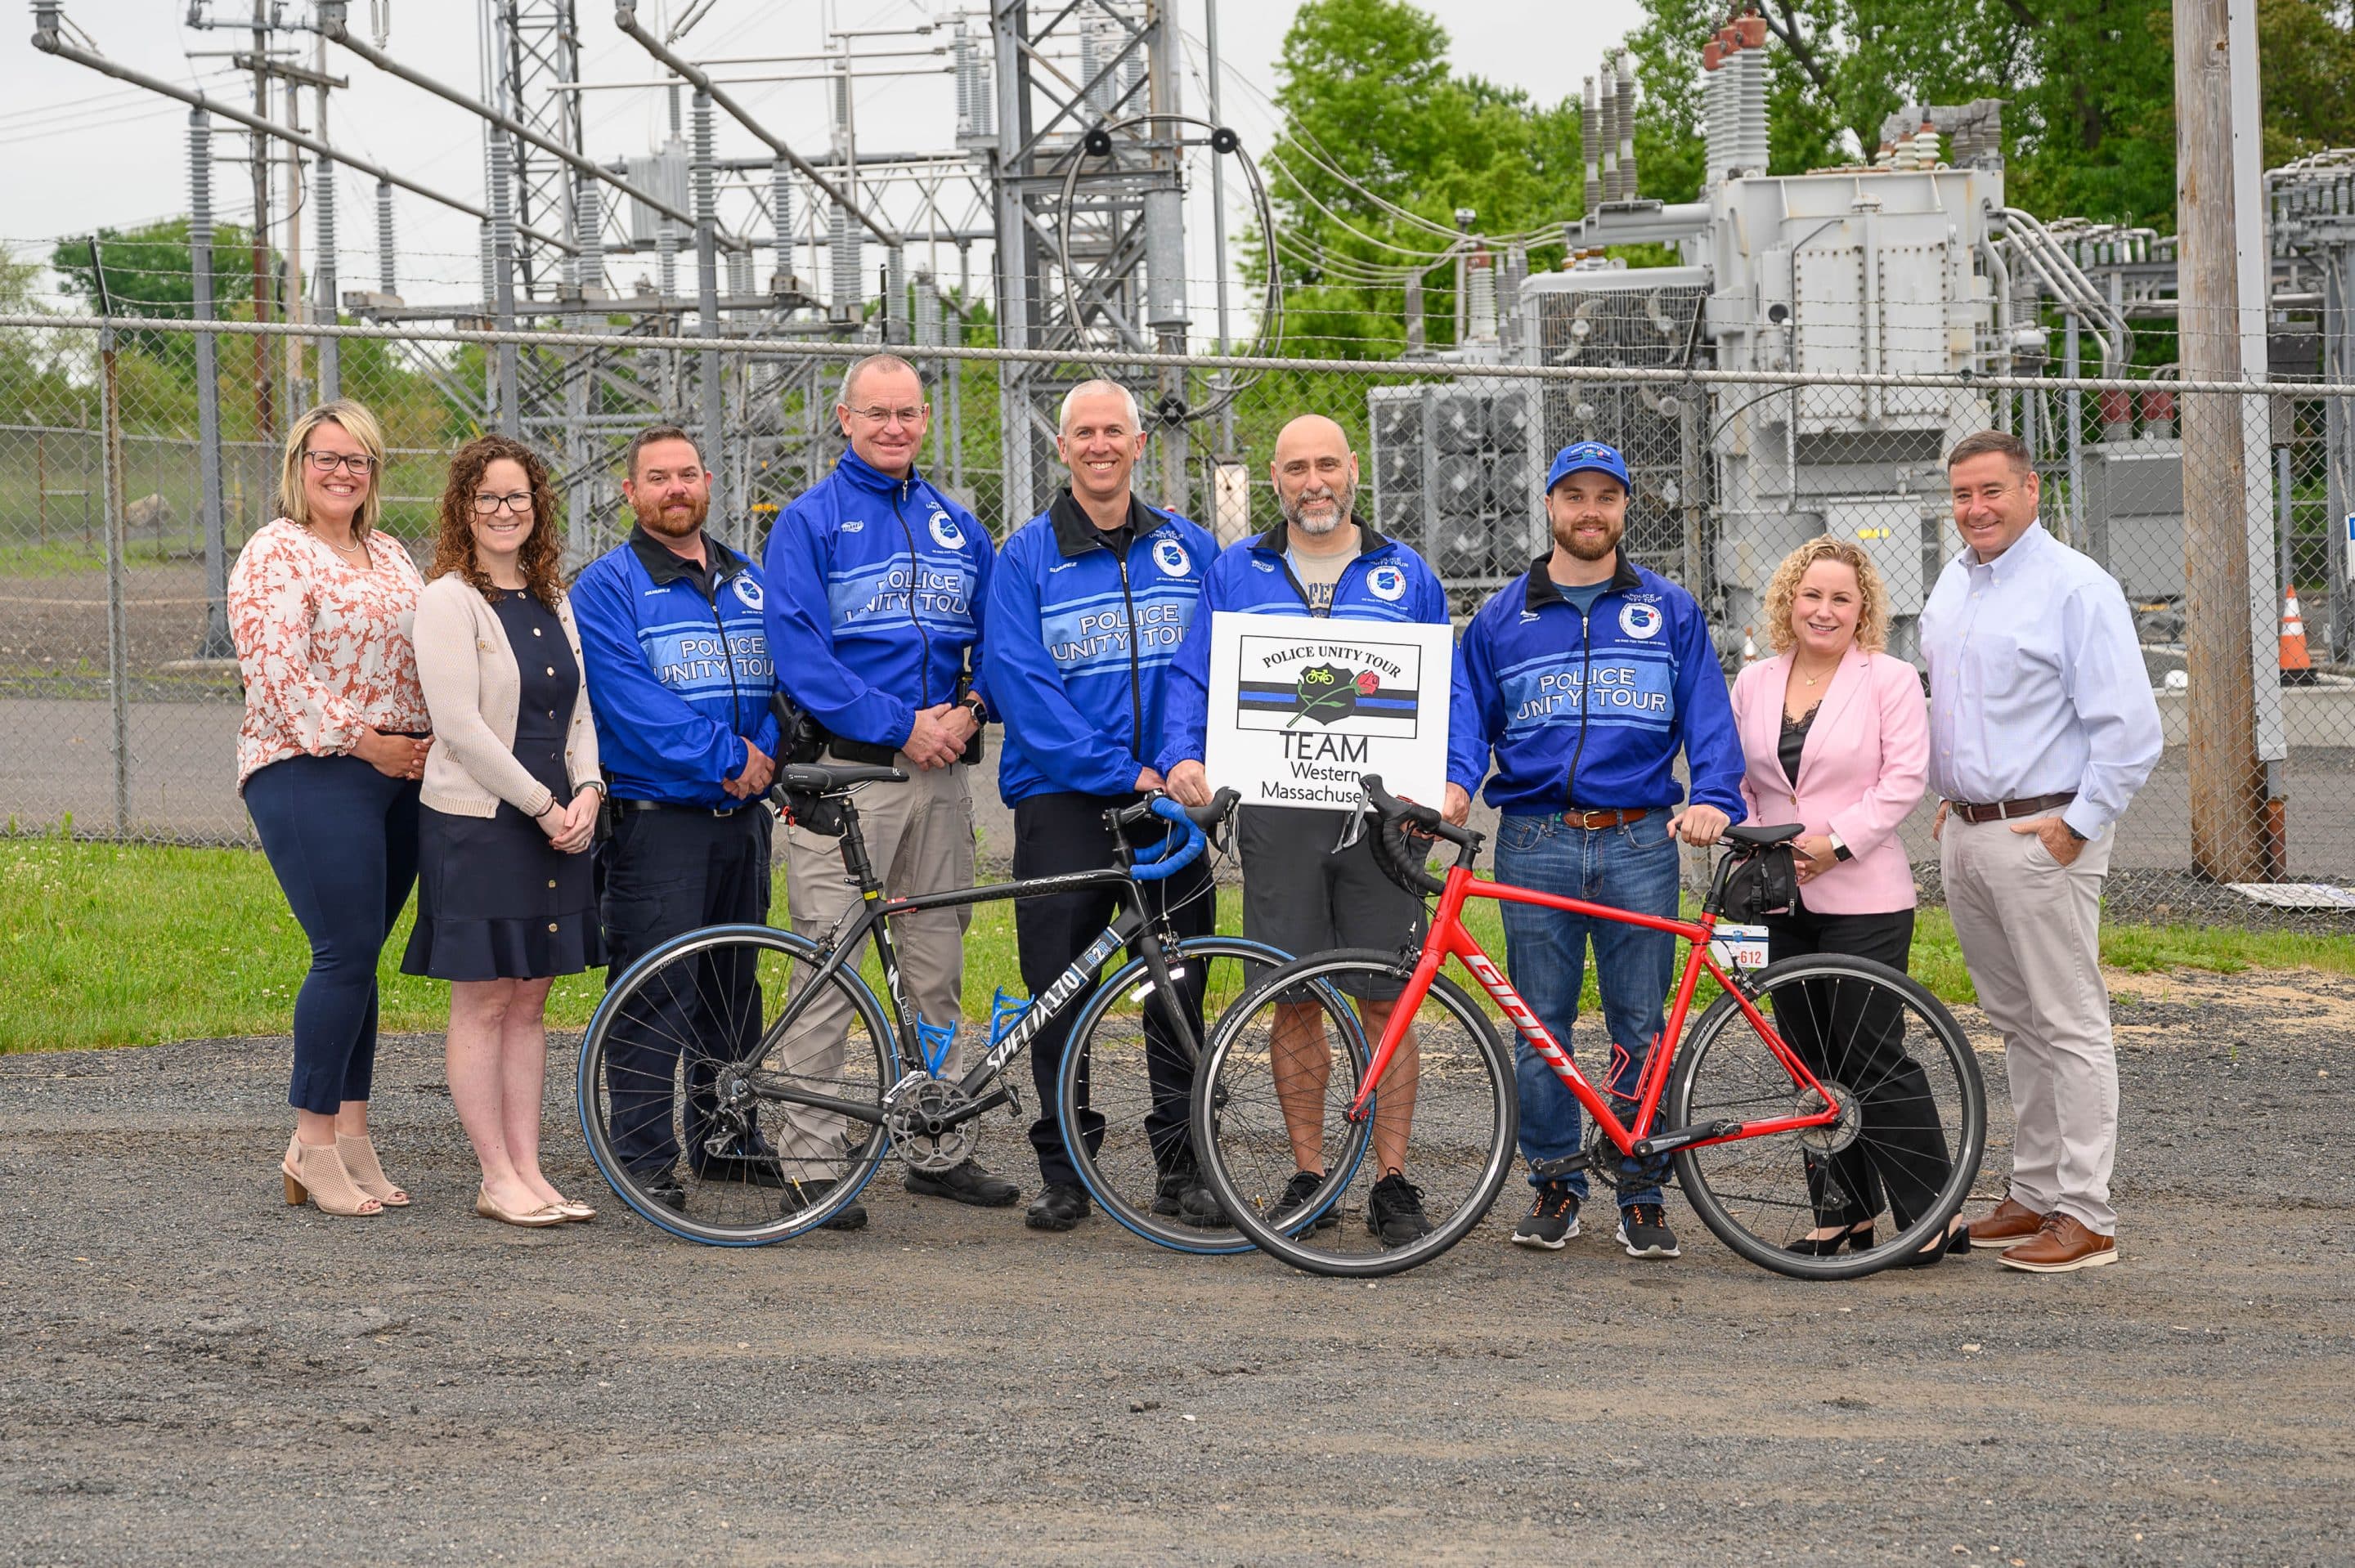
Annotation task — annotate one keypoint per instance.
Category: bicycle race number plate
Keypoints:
(1300, 708)
(1745, 945)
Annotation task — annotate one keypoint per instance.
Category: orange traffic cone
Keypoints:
(2296, 664)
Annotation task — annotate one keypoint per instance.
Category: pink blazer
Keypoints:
(1860, 772)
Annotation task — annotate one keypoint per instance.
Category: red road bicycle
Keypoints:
(1809, 1096)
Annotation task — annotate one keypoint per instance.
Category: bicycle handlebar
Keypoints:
(1395, 819)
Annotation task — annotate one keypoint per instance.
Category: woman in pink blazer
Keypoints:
(1835, 735)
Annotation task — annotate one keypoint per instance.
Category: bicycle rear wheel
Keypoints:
(1904, 1151)
(1272, 1099)
(1146, 1127)
(695, 1077)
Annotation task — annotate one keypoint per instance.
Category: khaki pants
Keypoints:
(919, 840)
(2029, 929)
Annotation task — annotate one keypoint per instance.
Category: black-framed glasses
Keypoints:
(489, 505)
(358, 464)
(912, 416)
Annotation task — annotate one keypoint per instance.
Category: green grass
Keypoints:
(108, 945)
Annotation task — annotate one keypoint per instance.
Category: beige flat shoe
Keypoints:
(546, 1214)
(316, 1172)
(574, 1210)
(359, 1159)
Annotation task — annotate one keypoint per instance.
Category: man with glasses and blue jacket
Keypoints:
(679, 679)
(877, 583)
(1583, 679)
(1300, 895)
(1087, 608)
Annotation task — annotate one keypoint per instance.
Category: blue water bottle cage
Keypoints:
(1003, 1010)
(934, 1040)
(1172, 854)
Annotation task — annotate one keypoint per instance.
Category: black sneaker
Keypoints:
(1552, 1218)
(1298, 1192)
(757, 1168)
(1394, 1210)
(1644, 1232)
(965, 1183)
(802, 1195)
(660, 1187)
(1061, 1206)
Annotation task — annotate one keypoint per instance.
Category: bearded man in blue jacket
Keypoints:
(679, 677)
(1300, 895)
(876, 582)
(1089, 604)
(1584, 679)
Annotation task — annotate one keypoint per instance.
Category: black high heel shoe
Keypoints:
(1825, 1246)
(1958, 1239)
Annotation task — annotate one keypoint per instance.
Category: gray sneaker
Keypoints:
(1552, 1218)
(1644, 1232)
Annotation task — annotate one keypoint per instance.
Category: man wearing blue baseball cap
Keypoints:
(1582, 680)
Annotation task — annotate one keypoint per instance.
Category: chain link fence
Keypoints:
(119, 708)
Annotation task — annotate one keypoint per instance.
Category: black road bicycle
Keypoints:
(783, 1080)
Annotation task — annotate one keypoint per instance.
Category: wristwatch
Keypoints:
(973, 704)
(2073, 833)
(1840, 850)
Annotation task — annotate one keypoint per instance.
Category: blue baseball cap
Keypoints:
(1582, 456)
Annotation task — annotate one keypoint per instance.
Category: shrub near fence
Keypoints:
(1730, 471)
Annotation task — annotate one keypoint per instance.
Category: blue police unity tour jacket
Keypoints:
(1081, 638)
(1384, 581)
(679, 677)
(875, 591)
(1588, 711)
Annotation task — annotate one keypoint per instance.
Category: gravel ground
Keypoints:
(193, 1372)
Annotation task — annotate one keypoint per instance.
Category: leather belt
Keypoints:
(2001, 809)
(667, 806)
(1594, 821)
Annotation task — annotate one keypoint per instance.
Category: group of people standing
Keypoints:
(469, 734)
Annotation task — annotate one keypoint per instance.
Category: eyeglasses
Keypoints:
(488, 505)
(908, 416)
(359, 463)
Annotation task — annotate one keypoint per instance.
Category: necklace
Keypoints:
(1812, 680)
(357, 546)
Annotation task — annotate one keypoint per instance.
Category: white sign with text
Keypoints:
(1299, 708)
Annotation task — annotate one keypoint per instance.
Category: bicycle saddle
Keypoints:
(1761, 838)
(812, 779)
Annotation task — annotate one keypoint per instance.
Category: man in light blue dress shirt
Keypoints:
(2041, 728)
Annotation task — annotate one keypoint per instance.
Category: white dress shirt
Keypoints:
(2036, 682)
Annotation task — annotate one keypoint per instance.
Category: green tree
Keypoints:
(151, 271)
(1383, 144)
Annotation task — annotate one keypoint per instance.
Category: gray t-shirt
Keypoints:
(1319, 575)
(1581, 596)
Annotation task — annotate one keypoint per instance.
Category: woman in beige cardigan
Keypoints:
(504, 900)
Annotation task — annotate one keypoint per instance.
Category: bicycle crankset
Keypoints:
(1834, 1135)
(920, 1116)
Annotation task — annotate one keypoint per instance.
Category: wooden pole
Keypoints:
(2227, 782)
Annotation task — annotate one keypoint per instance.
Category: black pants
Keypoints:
(1054, 834)
(1899, 1153)
(668, 873)
(342, 839)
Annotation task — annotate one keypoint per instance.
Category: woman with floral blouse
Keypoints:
(328, 760)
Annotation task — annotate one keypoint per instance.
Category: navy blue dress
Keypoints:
(494, 901)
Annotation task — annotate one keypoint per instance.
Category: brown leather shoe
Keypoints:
(2065, 1243)
(2012, 1222)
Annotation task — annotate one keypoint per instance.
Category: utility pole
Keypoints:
(2230, 837)
(265, 413)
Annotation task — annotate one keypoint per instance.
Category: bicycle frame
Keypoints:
(1448, 938)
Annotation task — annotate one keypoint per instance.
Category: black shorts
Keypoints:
(1302, 897)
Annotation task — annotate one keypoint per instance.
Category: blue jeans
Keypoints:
(1631, 867)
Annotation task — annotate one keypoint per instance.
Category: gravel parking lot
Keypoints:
(193, 1372)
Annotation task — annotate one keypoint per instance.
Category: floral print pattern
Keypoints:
(324, 645)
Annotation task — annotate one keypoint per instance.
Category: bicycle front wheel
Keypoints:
(728, 1097)
(1903, 1152)
(1126, 1091)
(1380, 1193)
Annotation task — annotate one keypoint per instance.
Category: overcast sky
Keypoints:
(78, 151)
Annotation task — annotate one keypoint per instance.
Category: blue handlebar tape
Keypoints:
(1165, 861)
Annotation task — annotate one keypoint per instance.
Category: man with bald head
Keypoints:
(1090, 602)
(1299, 894)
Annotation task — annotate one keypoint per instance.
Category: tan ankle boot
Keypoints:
(315, 1171)
(359, 1159)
